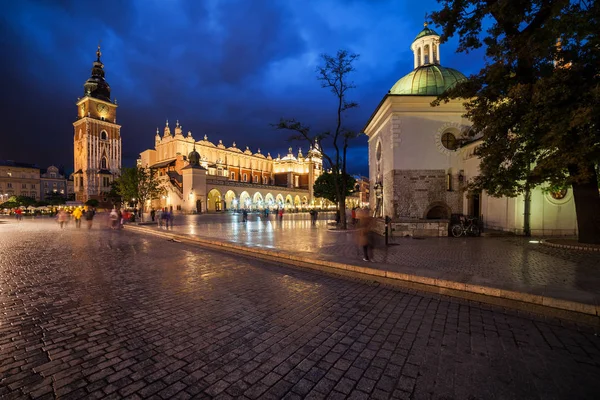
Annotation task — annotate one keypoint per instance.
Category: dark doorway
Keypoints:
(198, 206)
(475, 209)
(437, 212)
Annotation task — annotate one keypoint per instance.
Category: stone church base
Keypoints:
(414, 227)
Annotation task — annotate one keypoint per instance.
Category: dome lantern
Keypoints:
(426, 47)
(429, 78)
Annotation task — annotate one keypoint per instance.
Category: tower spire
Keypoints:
(98, 53)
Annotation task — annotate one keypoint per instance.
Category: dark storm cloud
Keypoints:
(228, 69)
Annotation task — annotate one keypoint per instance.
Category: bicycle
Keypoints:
(468, 226)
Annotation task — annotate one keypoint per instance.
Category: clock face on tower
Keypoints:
(102, 108)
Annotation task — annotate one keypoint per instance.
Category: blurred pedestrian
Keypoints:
(152, 214)
(244, 215)
(364, 235)
(89, 216)
(165, 218)
(114, 219)
(19, 214)
(280, 213)
(171, 219)
(62, 217)
(159, 217)
(77, 213)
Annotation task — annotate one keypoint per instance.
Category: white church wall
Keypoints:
(419, 144)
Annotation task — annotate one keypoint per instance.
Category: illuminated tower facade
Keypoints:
(97, 138)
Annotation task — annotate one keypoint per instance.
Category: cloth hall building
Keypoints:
(421, 159)
(200, 176)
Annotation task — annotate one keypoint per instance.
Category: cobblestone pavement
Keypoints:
(505, 262)
(103, 313)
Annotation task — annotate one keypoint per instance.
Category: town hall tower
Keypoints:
(97, 138)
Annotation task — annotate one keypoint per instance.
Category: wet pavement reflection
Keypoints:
(505, 262)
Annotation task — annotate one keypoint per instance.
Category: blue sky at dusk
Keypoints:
(225, 68)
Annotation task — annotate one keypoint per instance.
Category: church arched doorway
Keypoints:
(437, 210)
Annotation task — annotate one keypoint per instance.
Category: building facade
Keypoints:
(97, 138)
(19, 179)
(421, 158)
(227, 178)
(53, 183)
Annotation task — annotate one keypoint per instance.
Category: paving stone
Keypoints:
(135, 315)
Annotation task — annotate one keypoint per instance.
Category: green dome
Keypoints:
(426, 32)
(427, 80)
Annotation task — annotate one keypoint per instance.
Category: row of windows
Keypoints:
(255, 178)
(10, 193)
(9, 185)
(11, 174)
(54, 184)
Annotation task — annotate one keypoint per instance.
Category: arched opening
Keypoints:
(269, 200)
(279, 200)
(437, 210)
(426, 54)
(289, 201)
(214, 200)
(435, 54)
(103, 135)
(230, 200)
(245, 200)
(257, 200)
(419, 60)
(304, 201)
(103, 163)
(297, 202)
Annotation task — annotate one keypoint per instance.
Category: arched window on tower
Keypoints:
(426, 54)
(435, 60)
(103, 163)
(419, 62)
(103, 135)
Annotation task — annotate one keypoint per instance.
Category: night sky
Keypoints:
(225, 68)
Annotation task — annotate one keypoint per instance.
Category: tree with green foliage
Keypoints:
(55, 199)
(325, 187)
(9, 204)
(140, 184)
(19, 201)
(536, 102)
(333, 75)
(92, 203)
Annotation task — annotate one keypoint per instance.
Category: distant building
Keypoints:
(19, 179)
(97, 138)
(199, 175)
(360, 195)
(52, 182)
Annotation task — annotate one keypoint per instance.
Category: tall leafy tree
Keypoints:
(140, 184)
(325, 187)
(333, 75)
(536, 102)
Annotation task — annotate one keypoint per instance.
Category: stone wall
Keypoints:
(410, 194)
(412, 228)
(420, 228)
